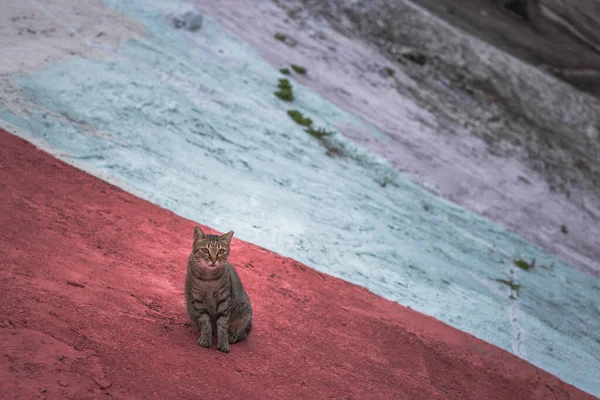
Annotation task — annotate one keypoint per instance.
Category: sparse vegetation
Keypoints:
(511, 284)
(285, 90)
(299, 69)
(389, 71)
(524, 265)
(299, 118)
(426, 207)
(334, 148)
(384, 181)
(318, 133)
(285, 39)
(284, 84)
(564, 229)
(285, 93)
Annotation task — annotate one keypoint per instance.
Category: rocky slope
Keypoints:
(92, 307)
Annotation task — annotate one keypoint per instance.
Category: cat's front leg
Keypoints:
(223, 326)
(205, 328)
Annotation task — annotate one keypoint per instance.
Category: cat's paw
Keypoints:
(205, 342)
(233, 338)
(223, 346)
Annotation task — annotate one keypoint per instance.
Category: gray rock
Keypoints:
(190, 20)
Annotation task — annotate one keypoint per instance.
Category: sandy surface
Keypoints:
(92, 307)
(34, 34)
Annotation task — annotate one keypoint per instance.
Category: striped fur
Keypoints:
(215, 298)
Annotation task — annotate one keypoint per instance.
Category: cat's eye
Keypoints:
(221, 251)
(205, 250)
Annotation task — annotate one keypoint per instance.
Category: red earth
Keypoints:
(92, 306)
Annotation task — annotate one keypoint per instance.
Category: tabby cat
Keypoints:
(215, 297)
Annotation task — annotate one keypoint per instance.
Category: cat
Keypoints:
(215, 297)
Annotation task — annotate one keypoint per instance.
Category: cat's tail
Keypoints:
(236, 335)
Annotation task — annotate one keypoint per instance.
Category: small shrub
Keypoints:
(564, 229)
(334, 148)
(285, 95)
(299, 118)
(318, 133)
(389, 71)
(426, 207)
(291, 42)
(284, 84)
(511, 284)
(300, 70)
(285, 90)
(524, 265)
(285, 71)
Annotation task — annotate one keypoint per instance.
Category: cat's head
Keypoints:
(211, 250)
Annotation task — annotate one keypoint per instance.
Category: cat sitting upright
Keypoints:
(215, 297)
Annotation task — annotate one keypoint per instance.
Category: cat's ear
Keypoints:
(198, 234)
(227, 237)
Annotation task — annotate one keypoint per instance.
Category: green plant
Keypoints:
(334, 148)
(318, 133)
(291, 42)
(300, 70)
(286, 95)
(285, 71)
(299, 118)
(511, 284)
(284, 84)
(564, 229)
(285, 90)
(389, 71)
(383, 182)
(524, 265)
(426, 207)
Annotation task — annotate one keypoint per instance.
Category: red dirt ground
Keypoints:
(92, 306)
